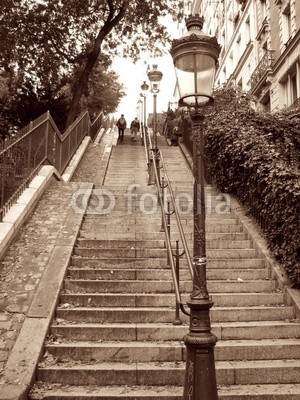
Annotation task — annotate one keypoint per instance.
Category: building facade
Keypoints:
(260, 52)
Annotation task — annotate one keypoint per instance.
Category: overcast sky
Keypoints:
(133, 75)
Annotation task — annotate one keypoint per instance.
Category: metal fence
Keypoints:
(39, 143)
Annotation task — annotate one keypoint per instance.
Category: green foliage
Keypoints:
(50, 42)
(257, 157)
(172, 119)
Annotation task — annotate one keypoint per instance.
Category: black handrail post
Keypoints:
(168, 228)
(163, 203)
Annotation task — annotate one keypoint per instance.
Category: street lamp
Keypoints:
(154, 76)
(144, 88)
(195, 57)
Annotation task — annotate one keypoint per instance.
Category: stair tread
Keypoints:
(166, 324)
(171, 343)
(163, 280)
(163, 294)
(121, 391)
(128, 309)
(161, 365)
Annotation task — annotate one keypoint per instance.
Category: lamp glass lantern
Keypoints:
(144, 86)
(195, 57)
(155, 76)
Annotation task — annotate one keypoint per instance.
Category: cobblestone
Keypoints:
(25, 261)
(88, 170)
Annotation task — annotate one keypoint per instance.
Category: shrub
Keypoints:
(257, 157)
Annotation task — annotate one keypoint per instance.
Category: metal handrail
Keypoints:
(145, 136)
(168, 239)
(21, 155)
(178, 220)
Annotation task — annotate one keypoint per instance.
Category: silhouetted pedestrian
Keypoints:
(121, 124)
(134, 128)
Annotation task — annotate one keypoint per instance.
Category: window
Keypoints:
(238, 45)
(263, 9)
(286, 23)
(224, 74)
(247, 29)
(293, 84)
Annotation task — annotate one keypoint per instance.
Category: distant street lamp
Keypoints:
(144, 88)
(155, 77)
(140, 117)
(195, 57)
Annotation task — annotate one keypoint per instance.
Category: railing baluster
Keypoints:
(177, 320)
(22, 154)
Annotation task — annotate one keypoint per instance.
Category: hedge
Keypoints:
(256, 156)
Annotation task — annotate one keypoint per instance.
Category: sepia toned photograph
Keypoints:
(150, 200)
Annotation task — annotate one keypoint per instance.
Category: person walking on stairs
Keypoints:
(121, 124)
(134, 128)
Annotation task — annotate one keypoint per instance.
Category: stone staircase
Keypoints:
(113, 334)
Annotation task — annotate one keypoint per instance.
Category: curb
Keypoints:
(17, 214)
(69, 171)
(19, 371)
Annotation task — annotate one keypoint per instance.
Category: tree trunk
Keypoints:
(83, 80)
(79, 87)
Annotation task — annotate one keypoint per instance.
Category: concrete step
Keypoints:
(128, 244)
(168, 373)
(121, 252)
(232, 350)
(160, 253)
(118, 244)
(229, 392)
(137, 286)
(104, 262)
(161, 235)
(247, 330)
(154, 220)
(167, 300)
(122, 262)
(162, 274)
(97, 228)
(164, 314)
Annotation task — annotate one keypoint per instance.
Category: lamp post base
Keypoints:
(200, 375)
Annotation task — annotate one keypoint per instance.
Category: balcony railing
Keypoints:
(263, 67)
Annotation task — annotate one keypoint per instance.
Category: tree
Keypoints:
(49, 40)
(104, 91)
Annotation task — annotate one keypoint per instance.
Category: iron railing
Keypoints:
(172, 258)
(36, 144)
(262, 69)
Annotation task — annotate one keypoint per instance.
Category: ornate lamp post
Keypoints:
(144, 88)
(155, 77)
(195, 57)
